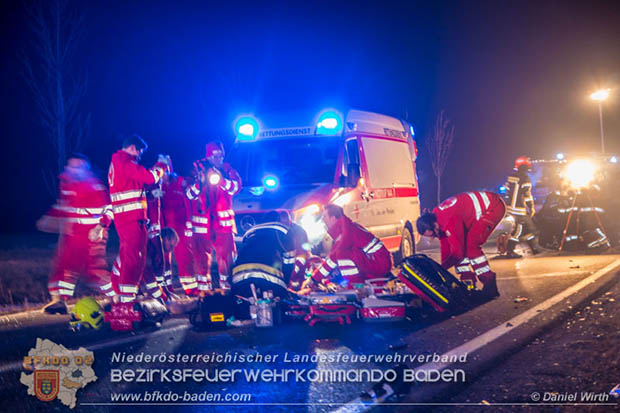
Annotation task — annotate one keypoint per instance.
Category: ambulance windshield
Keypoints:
(294, 161)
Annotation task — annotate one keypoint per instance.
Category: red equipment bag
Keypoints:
(433, 283)
(377, 309)
(133, 316)
(334, 308)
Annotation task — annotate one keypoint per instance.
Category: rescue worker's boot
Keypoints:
(533, 244)
(489, 282)
(511, 250)
(181, 305)
(56, 306)
(154, 310)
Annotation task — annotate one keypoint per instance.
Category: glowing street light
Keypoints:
(600, 96)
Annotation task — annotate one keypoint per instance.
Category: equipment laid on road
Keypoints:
(434, 284)
(134, 315)
(336, 308)
(212, 312)
(264, 313)
(377, 309)
(86, 313)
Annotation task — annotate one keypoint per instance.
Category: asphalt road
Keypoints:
(535, 279)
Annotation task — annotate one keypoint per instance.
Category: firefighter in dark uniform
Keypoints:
(520, 205)
(267, 257)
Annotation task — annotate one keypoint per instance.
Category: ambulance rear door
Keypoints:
(391, 192)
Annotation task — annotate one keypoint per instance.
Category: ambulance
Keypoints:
(362, 161)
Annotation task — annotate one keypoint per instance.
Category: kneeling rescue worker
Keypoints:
(462, 224)
(266, 258)
(356, 253)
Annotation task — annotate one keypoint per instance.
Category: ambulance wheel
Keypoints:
(407, 246)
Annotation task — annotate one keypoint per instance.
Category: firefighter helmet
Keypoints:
(86, 313)
(523, 160)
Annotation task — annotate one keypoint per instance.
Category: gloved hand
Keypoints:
(163, 159)
(49, 224)
(96, 233)
(331, 287)
(307, 284)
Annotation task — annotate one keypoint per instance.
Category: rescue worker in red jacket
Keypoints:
(356, 253)
(201, 238)
(176, 213)
(219, 183)
(127, 180)
(83, 205)
(462, 224)
(158, 260)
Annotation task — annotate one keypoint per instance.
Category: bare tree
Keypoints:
(52, 79)
(439, 145)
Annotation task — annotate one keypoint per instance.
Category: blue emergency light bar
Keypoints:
(246, 128)
(329, 123)
(270, 182)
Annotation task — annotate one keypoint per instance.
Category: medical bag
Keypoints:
(212, 312)
(433, 283)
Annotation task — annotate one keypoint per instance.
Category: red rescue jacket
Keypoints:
(176, 208)
(127, 180)
(81, 205)
(218, 198)
(456, 216)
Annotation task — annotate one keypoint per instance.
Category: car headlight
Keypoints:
(580, 173)
(309, 218)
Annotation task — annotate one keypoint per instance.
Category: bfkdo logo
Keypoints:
(46, 384)
(57, 372)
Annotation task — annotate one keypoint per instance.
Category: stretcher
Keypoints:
(434, 284)
(339, 308)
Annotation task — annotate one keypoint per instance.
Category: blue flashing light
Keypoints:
(503, 189)
(257, 190)
(270, 182)
(329, 123)
(613, 159)
(412, 131)
(246, 129)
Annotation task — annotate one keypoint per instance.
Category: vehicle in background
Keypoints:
(577, 193)
(362, 161)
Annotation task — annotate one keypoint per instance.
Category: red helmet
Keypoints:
(213, 147)
(523, 160)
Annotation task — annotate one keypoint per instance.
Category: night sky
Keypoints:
(514, 77)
